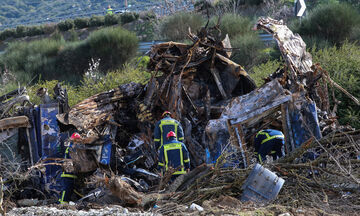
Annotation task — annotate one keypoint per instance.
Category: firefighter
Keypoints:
(164, 126)
(174, 154)
(68, 179)
(269, 142)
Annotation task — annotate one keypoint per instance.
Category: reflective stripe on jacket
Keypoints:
(174, 154)
(163, 127)
(267, 142)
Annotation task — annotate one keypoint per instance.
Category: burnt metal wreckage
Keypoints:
(221, 110)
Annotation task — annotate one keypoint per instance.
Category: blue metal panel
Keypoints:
(49, 129)
(304, 123)
(106, 151)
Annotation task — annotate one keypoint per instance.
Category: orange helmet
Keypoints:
(170, 134)
(165, 113)
(75, 136)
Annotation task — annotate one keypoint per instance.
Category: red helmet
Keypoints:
(75, 136)
(170, 134)
(165, 113)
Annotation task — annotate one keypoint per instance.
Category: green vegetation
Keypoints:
(248, 46)
(54, 58)
(90, 86)
(176, 27)
(69, 24)
(332, 22)
(17, 11)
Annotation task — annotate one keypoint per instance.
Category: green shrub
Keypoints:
(111, 19)
(49, 28)
(262, 71)
(96, 21)
(29, 59)
(7, 33)
(65, 25)
(21, 31)
(147, 15)
(248, 50)
(81, 23)
(57, 59)
(355, 35)
(332, 22)
(234, 25)
(128, 17)
(114, 46)
(34, 30)
(74, 36)
(343, 65)
(176, 27)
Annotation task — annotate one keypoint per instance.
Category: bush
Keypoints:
(21, 31)
(34, 30)
(343, 65)
(128, 17)
(65, 25)
(355, 35)
(7, 33)
(114, 46)
(81, 23)
(29, 59)
(332, 22)
(49, 28)
(147, 15)
(57, 59)
(262, 71)
(96, 21)
(234, 25)
(248, 50)
(176, 27)
(111, 20)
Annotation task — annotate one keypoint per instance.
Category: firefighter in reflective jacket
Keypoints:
(68, 179)
(109, 10)
(164, 126)
(174, 154)
(269, 142)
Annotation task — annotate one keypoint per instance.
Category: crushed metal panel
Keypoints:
(50, 130)
(268, 96)
(291, 45)
(303, 122)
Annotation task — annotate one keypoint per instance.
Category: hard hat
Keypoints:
(75, 136)
(165, 113)
(170, 134)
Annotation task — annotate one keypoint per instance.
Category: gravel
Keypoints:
(52, 211)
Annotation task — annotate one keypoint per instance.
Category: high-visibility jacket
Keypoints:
(163, 127)
(109, 11)
(174, 154)
(67, 181)
(269, 142)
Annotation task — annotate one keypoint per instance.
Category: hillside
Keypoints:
(23, 12)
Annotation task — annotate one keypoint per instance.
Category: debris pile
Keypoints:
(220, 109)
